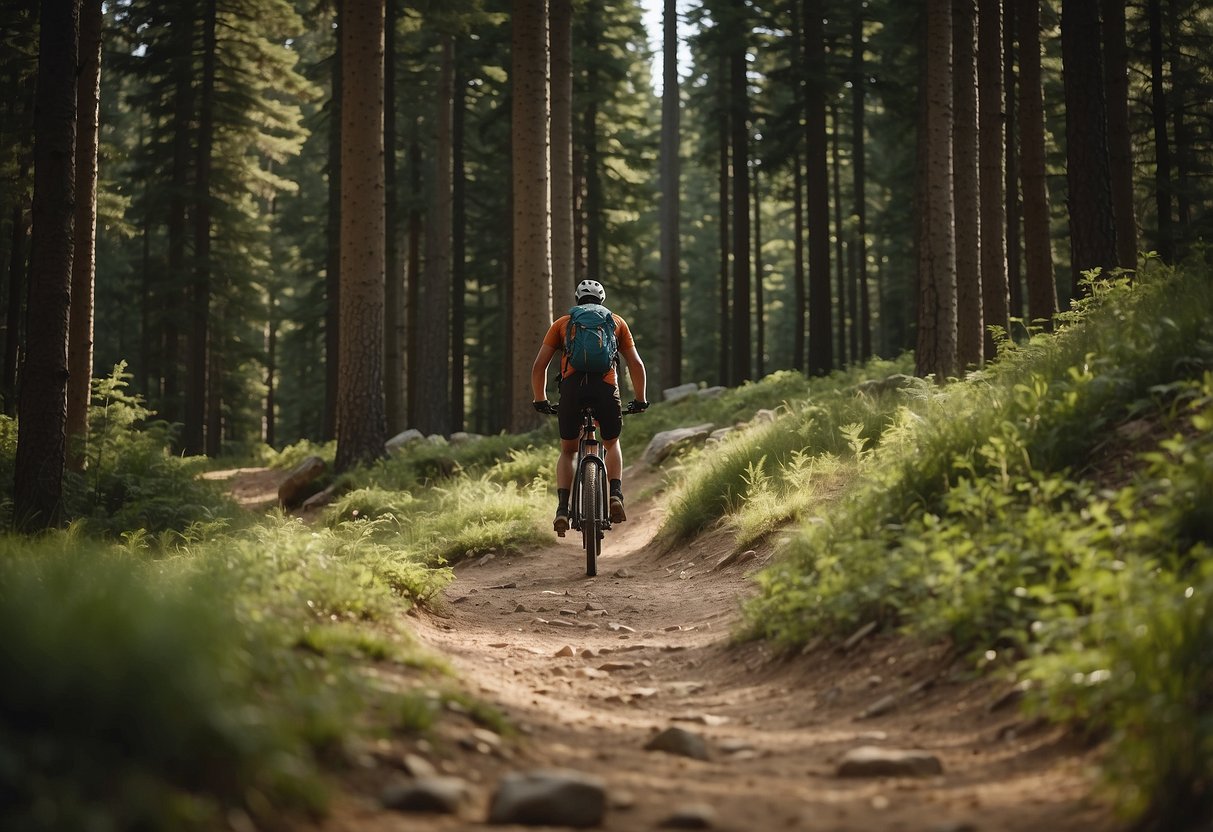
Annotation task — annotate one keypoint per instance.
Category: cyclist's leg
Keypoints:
(611, 421)
(569, 429)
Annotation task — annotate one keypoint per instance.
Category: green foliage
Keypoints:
(443, 525)
(131, 480)
(835, 416)
(995, 513)
(128, 705)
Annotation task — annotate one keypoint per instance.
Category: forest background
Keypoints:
(784, 210)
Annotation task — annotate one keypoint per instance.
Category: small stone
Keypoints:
(879, 707)
(611, 667)
(623, 572)
(680, 742)
(564, 652)
(692, 816)
(588, 653)
(521, 608)
(619, 628)
(417, 766)
(551, 797)
(870, 761)
(443, 795)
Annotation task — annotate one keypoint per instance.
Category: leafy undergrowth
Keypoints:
(980, 518)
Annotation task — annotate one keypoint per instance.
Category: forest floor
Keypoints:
(589, 669)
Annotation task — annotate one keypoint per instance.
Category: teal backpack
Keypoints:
(589, 340)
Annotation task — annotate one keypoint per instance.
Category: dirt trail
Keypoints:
(649, 645)
(777, 724)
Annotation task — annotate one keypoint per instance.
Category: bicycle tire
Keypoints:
(591, 516)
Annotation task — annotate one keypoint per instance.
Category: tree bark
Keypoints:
(433, 311)
(532, 279)
(563, 282)
(991, 131)
(174, 296)
(393, 371)
(1120, 144)
(760, 344)
(840, 263)
(84, 259)
(798, 283)
(42, 416)
(332, 272)
(859, 171)
(1038, 253)
(1162, 147)
(970, 325)
(821, 359)
(671, 140)
(459, 245)
(1180, 82)
(741, 369)
(361, 417)
(1015, 290)
(202, 434)
(722, 174)
(1092, 226)
(936, 349)
(413, 278)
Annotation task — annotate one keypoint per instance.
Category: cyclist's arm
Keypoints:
(539, 371)
(635, 372)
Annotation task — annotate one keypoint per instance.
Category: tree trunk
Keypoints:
(269, 434)
(740, 122)
(760, 344)
(993, 213)
(859, 171)
(17, 278)
(42, 417)
(970, 326)
(433, 311)
(1042, 291)
(1120, 141)
(563, 283)
(393, 372)
(671, 140)
(1180, 83)
(798, 285)
(1162, 147)
(532, 279)
(361, 417)
(413, 278)
(936, 349)
(174, 296)
(1015, 290)
(821, 359)
(459, 245)
(201, 411)
(722, 174)
(332, 272)
(840, 263)
(84, 260)
(1092, 227)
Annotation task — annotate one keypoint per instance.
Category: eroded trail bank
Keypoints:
(590, 670)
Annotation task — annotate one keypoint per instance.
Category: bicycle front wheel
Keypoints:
(591, 516)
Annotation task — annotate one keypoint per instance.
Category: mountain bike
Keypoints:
(589, 498)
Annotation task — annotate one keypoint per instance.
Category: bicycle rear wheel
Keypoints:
(591, 516)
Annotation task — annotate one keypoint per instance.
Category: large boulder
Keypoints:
(682, 391)
(300, 483)
(402, 440)
(666, 442)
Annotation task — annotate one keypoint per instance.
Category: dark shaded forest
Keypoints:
(816, 184)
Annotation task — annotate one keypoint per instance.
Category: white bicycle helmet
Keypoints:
(588, 288)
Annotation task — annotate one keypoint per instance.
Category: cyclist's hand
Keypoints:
(544, 406)
(637, 406)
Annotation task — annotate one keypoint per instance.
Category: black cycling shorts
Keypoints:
(579, 390)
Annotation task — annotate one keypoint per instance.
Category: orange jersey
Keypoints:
(555, 340)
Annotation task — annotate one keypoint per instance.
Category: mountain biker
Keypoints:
(578, 389)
